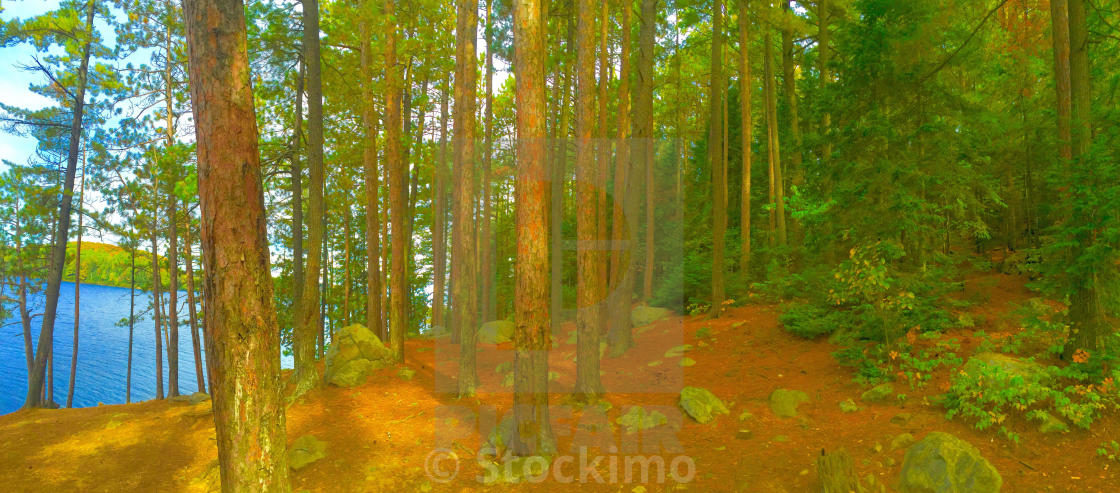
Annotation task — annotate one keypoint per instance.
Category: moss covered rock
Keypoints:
(305, 451)
(878, 393)
(645, 314)
(943, 463)
(1016, 367)
(784, 402)
(701, 404)
(354, 353)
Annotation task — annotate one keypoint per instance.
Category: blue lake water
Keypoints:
(102, 349)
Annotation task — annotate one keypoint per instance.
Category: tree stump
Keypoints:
(836, 473)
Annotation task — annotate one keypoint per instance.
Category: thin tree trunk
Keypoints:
(309, 326)
(243, 340)
(777, 198)
(173, 298)
(131, 315)
(824, 59)
(398, 302)
(297, 203)
(789, 81)
(157, 305)
(485, 233)
(199, 370)
(533, 435)
(439, 217)
(61, 234)
(624, 221)
(588, 318)
(77, 288)
(746, 137)
(602, 162)
(718, 164)
(559, 176)
(464, 272)
(643, 132)
(372, 183)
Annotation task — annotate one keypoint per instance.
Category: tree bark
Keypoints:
(789, 81)
(243, 343)
(531, 339)
(1059, 16)
(131, 314)
(45, 348)
(588, 318)
(173, 295)
(464, 302)
(777, 196)
(310, 323)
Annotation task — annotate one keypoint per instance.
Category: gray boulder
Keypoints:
(943, 463)
(354, 353)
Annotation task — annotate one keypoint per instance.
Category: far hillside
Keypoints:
(110, 265)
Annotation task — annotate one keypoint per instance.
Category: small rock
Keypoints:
(701, 404)
(744, 434)
(745, 415)
(305, 451)
(784, 402)
(890, 462)
(406, 373)
(1051, 424)
(902, 441)
(877, 448)
(780, 439)
(848, 406)
(879, 393)
(901, 418)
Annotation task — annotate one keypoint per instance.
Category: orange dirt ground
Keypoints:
(379, 436)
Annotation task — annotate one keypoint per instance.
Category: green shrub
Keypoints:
(812, 321)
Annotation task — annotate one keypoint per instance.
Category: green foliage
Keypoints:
(812, 321)
(987, 394)
(1109, 450)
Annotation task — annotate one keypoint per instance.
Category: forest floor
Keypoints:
(381, 436)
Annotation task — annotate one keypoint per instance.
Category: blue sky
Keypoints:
(14, 82)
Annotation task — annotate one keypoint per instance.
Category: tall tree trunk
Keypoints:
(589, 295)
(777, 198)
(532, 340)
(439, 216)
(789, 81)
(718, 164)
(297, 202)
(464, 303)
(243, 340)
(556, 207)
(61, 233)
(192, 312)
(310, 323)
(824, 59)
(347, 286)
(602, 161)
(643, 132)
(398, 301)
(1088, 328)
(485, 233)
(746, 137)
(624, 220)
(157, 308)
(372, 183)
(77, 288)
